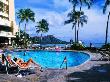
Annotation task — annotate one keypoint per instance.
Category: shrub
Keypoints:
(77, 46)
(106, 46)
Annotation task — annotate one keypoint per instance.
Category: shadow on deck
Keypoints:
(99, 73)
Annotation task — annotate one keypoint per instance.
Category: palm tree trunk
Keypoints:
(81, 6)
(25, 36)
(106, 37)
(78, 25)
(41, 38)
(78, 33)
(75, 35)
(74, 6)
(19, 28)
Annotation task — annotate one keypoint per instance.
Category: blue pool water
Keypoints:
(53, 59)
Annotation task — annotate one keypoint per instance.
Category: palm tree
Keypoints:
(42, 27)
(20, 17)
(77, 18)
(106, 37)
(26, 15)
(107, 3)
(73, 21)
(81, 2)
(20, 40)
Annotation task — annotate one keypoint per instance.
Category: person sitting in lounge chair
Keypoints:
(3, 58)
(26, 64)
(22, 63)
(9, 60)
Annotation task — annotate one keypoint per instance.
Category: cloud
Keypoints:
(93, 31)
(95, 28)
(64, 4)
(37, 1)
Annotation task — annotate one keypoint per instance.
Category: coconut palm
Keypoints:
(20, 17)
(77, 18)
(81, 2)
(106, 37)
(26, 15)
(107, 3)
(20, 40)
(42, 27)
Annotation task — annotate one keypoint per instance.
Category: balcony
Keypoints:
(4, 1)
(5, 22)
(5, 28)
(6, 34)
(3, 14)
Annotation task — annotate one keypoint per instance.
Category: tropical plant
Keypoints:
(42, 27)
(106, 46)
(20, 17)
(77, 18)
(26, 15)
(106, 37)
(81, 2)
(107, 3)
(19, 41)
(77, 46)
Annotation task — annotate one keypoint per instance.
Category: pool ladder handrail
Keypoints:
(64, 61)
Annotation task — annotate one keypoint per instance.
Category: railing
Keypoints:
(4, 14)
(64, 61)
(5, 34)
(5, 22)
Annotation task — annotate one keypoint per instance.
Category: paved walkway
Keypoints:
(93, 70)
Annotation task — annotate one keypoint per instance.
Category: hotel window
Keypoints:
(6, 9)
(1, 6)
(4, 18)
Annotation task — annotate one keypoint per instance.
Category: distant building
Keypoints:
(8, 26)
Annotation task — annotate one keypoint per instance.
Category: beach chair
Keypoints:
(10, 65)
(28, 68)
(104, 55)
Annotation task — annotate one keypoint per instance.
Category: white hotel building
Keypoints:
(8, 26)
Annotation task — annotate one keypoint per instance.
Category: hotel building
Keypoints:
(8, 26)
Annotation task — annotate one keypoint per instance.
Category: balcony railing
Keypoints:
(3, 14)
(5, 28)
(5, 22)
(6, 34)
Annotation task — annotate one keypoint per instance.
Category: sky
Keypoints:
(56, 11)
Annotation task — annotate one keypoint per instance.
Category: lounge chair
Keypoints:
(30, 67)
(105, 55)
(10, 65)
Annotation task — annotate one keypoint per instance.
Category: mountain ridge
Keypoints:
(49, 39)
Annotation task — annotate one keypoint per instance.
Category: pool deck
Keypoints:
(93, 70)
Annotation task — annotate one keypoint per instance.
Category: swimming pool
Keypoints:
(53, 59)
